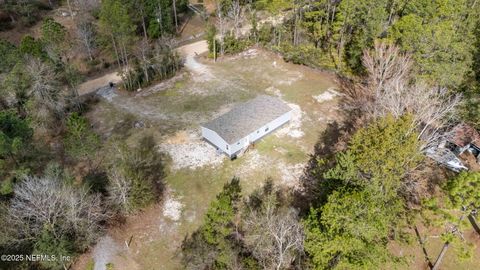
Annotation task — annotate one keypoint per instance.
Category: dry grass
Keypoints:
(175, 110)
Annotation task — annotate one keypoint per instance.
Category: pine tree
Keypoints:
(209, 247)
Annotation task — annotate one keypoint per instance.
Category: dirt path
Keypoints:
(95, 84)
(188, 51)
(193, 48)
(197, 172)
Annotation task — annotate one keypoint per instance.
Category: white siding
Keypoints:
(215, 139)
(259, 133)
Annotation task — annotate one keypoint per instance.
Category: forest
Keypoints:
(407, 73)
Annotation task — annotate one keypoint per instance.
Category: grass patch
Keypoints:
(189, 102)
(179, 85)
(282, 148)
(90, 265)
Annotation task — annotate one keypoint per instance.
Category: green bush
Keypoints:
(233, 45)
(15, 136)
(30, 46)
(9, 55)
(306, 55)
(6, 187)
(265, 34)
(273, 6)
(50, 244)
(142, 169)
(90, 265)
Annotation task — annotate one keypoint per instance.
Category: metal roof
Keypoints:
(247, 117)
(463, 134)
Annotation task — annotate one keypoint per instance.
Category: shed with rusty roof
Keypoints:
(464, 137)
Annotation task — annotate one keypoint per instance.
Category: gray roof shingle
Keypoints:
(247, 117)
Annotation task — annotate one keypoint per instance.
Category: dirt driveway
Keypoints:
(188, 51)
(172, 113)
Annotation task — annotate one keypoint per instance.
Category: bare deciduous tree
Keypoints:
(44, 84)
(235, 13)
(388, 89)
(86, 36)
(386, 66)
(119, 190)
(274, 234)
(143, 53)
(85, 6)
(46, 93)
(221, 22)
(46, 201)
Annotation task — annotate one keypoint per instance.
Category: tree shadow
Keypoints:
(314, 190)
(424, 250)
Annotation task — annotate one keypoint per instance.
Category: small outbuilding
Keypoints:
(246, 123)
(459, 150)
(463, 138)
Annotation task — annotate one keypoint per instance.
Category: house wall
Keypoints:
(215, 139)
(220, 143)
(259, 133)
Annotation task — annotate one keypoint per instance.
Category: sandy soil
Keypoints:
(294, 127)
(172, 206)
(188, 51)
(175, 108)
(188, 150)
(104, 252)
(95, 84)
(328, 95)
(198, 47)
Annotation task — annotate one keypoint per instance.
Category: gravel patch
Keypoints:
(254, 160)
(104, 252)
(251, 53)
(192, 152)
(328, 95)
(172, 208)
(275, 91)
(107, 93)
(98, 83)
(201, 72)
(294, 127)
(248, 54)
(291, 174)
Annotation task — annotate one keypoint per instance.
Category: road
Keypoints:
(188, 51)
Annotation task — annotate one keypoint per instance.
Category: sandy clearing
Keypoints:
(188, 151)
(191, 151)
(95, 84)
(294, 127)
(275, 91)
(198, 47)
(291, 174)
(253, 161)
(172, 207)
(104, 252)
(328, 95)
(161, 86)
(188, 51)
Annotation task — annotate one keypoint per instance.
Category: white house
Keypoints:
(246, 123)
